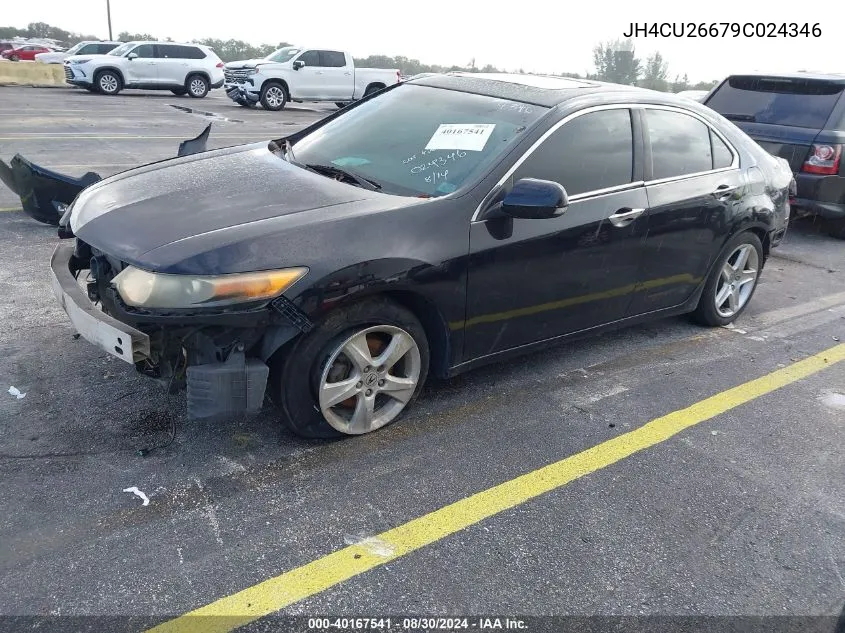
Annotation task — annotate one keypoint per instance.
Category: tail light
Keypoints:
(220, 65)
(824, 159)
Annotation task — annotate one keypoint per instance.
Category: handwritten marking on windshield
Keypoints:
(437, 176)
(440, 161)
(517, 107)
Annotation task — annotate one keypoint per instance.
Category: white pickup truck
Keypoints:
(294, 73)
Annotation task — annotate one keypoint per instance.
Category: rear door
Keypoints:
(691, 176)
(173, 65)
(338, 81)
(783, 114)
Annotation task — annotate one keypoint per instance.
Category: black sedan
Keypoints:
(439, 224)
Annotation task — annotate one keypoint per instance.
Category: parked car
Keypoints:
(303, 74)
(800, 117)
(695, 95)
(6, 46)
(191, 69)
(82, 48)
(24, 52)
(432, 227)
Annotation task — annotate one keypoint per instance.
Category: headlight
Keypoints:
(144, 289)
(79, 61)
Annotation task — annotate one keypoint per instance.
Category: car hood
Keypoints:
(211, 195)
(88, 58)
(246, 63)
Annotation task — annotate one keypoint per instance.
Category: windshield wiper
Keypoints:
(750, 118)
(366, 183)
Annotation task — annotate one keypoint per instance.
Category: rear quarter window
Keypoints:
(796, 102)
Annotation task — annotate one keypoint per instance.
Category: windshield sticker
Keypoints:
(469, 136)
(350, 161)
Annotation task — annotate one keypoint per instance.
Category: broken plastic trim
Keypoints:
(45, 194)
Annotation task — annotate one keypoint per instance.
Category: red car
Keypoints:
(25, 52)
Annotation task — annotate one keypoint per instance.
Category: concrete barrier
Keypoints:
(32, 74)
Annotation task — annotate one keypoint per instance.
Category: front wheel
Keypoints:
(273, 96)
(197, 86)
(108, 82)
(732, 283)
(14, 58)
(354, 374)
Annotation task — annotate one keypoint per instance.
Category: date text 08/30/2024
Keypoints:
(723, 29)
(417, 624)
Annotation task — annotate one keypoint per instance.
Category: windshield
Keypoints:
(283, 54)
(416, 140)
(123, 48)
(775, 100)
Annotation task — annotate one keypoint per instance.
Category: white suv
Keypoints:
(191, 69)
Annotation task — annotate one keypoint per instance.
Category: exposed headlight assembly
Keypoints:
(143, 289)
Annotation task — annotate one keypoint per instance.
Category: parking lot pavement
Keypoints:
(741, 513)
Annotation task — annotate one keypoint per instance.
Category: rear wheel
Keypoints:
(108, 82)
(732, 283)
(197, 86)
(273, 96)
(356, 373)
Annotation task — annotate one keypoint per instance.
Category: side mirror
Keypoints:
(298, 64)
(535, 199)
(132, 56)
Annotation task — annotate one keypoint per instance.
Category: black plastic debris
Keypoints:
(45, 194)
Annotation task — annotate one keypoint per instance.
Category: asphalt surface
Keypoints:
(739, 515)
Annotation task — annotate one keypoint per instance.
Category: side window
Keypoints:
(332, 59)
(591, 152)
(88, 49)
(722, 156)
(680, 144)
(168, 51)
(311, 58)
(144, 50)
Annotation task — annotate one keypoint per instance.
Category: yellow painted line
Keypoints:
(5, 209)
(269, 596)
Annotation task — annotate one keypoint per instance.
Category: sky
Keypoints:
(541, 36)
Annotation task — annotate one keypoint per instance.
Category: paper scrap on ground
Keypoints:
(134, 490)
(468, 136)
(16, 393)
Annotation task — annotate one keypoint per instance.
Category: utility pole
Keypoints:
(108, 13)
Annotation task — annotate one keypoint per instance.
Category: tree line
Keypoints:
(614, 61)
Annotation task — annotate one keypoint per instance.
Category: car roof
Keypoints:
(165, 42)
(542, 90)
(815, 76)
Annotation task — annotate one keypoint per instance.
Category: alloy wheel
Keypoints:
(368, 379)
(197, 86)
(108, 83)
(736, 281)
(275, 96)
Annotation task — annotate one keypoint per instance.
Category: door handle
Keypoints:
(723, 192)
(319, 72)
(347, 74)
(624, 216)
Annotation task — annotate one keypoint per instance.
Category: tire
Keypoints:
(197, 86)
(179, 92)
(108, 82)
(14, 58)
(836, 228)
(273, 96)
(734, 302)
(298, 372)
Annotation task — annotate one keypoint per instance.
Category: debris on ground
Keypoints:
(134, 490)
(16, 392)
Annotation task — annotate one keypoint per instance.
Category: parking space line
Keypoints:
(274, 594)
(10, 209)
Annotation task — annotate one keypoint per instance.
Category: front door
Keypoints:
(143, 69)
(308, 79)
(531, 280)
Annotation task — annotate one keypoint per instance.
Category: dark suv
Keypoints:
(799, 117)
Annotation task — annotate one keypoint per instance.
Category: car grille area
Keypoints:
(237, 76)
(68, 73)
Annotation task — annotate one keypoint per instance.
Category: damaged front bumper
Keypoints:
(94, 325)
(219, 358)
(241, 95)
(45, 193)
